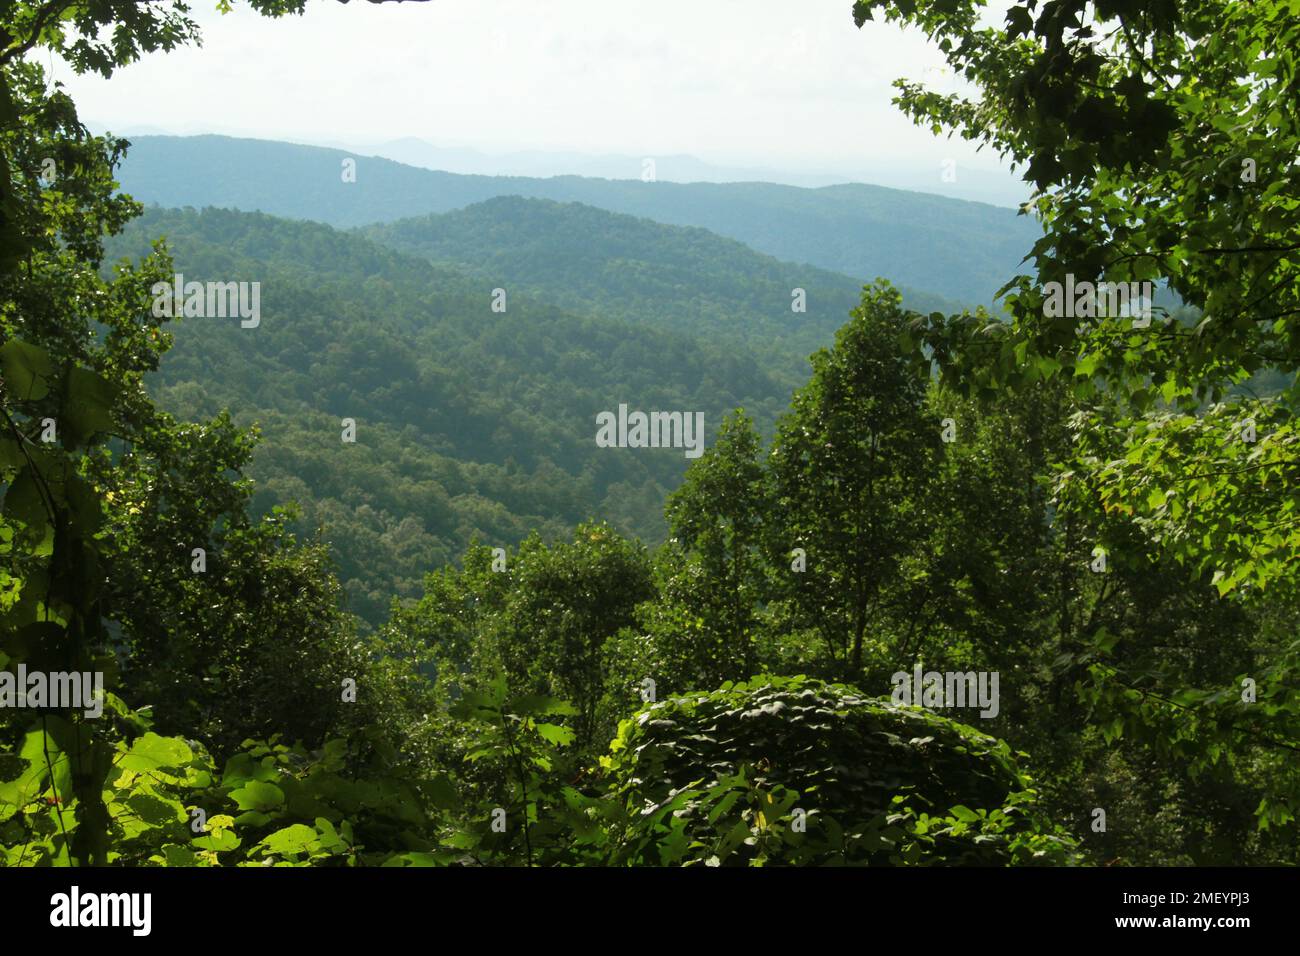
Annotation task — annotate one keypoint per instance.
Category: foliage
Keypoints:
(718, 517)
(1098, 512)
(1160, 138)
(848, 470)
(168, 805)
(470, 423)
(525, 815)
(717, 778)
(635, 270)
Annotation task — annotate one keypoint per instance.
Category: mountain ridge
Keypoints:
(635, 269)
(959, 249)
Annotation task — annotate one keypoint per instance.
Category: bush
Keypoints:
(795, 770)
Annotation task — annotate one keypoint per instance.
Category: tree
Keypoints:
(1160, 138)
(564, 602)
(849, 468)
(718, 515)
(74, 349)
(73, 355)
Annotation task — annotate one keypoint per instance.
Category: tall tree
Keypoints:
(74, 347)
(849, 466)
(717, 516)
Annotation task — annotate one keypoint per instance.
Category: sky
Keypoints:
(769, 84)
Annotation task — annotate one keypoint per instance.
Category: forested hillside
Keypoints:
(961, 250)
(472, 423)
(639, 271)
(479, 425)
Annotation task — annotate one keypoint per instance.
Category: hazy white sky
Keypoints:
(771, 83)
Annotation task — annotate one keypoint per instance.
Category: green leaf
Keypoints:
(25, 504)
(221, 842)
(292, 839)
(87, 408)
(442, 794)
(964, 814)
(152, 752)
(257, 795)
(555, 734)
(11, 455)
(26, 369)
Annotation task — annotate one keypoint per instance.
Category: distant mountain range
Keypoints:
(976, 184)
(960, 250)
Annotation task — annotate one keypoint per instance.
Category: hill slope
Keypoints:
(469, 422)
(639, 271)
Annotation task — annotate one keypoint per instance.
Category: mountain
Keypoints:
(961, 250)
(543, 163)
(975, 184)
(469, 423)
(640, 271)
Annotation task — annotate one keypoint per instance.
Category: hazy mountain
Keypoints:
(986, 185)
(961, 250)
(977, 185)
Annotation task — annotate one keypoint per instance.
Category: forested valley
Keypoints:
(959, 571)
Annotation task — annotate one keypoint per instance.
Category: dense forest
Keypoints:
(477, 424)
(946, 584)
